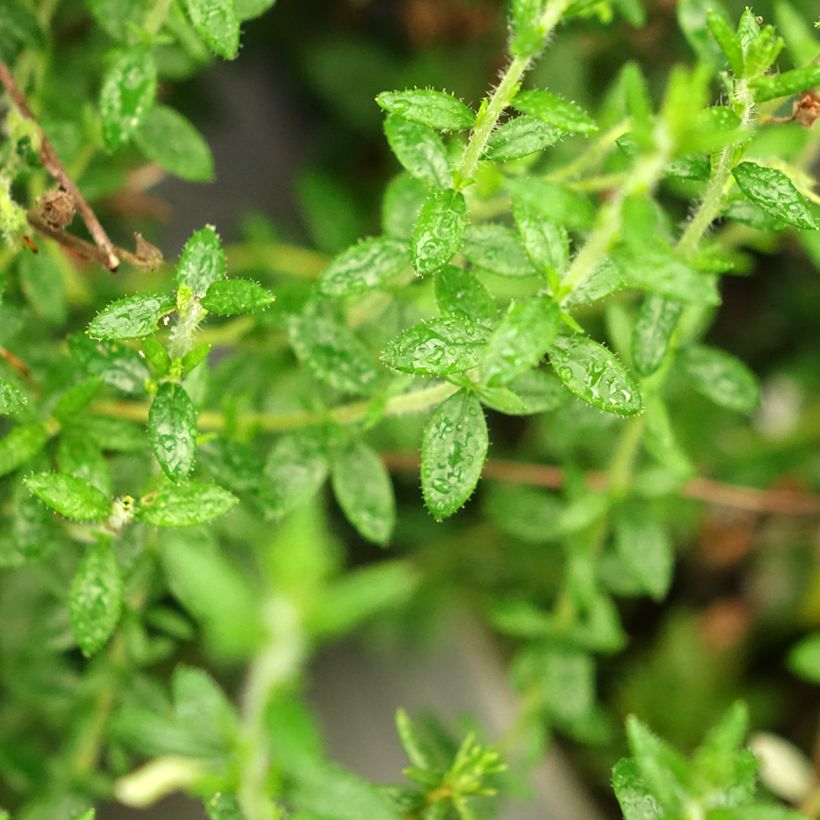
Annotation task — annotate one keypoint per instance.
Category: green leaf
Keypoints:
(365, 266)
(12, 398)
(437, 347)
(439, 231)
(172, 431)
(520, 137)
(217, 23)
(721, 378)
(202, 261)
(110, 362)
(801, 43)
(594, 374)
(804, 658)
(553, 202)
(181, 506)
(19, 29)
(70, 496)
(459, 292)
(76, 399)
(296, 468)
(454, 446)
(545, 242)
(634, 798)
(78, 455)
(21, 445)
(727, 40)
(401, 205)
(203, 712)
(526, 28)
(496, 248)
(539, 390)
(364, 491)
(118, 18)
(554, 110)
(435, 109)
(503, 400)
(775, 193)
(231, 296)
(333, 354)
(652, 332)
(131, 317)
(419, 149)
(128, 90)
(95, 600)
(172, 142)
(521, 340)
(643, 546)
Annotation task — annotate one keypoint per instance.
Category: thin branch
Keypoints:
(779, 502)
(18, 364)
(52, 163)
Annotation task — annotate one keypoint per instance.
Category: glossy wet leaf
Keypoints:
(594, 374)
(95, 599)
(363, 488)
(634, 798)
(111, 362)
(194, 502)
(775, 193)
(652, 332)
(20, 445)
(454, 446)
(333, 354)
(435, 109)
(170, 140)
(438, 347)
(202, 261)
(644, 547)
(128, 90)
(217, 23)
(721, 378)
(520, 137)
(521, 339)
(785, 83)
(439, 231)
(172, 430)
(228, 297)
(365, 266)
(131, 317)
(496, 248)
(70, 496)
(419, 149)
(554, 110)
(296, 468)
(545, 242)
(459, 292)
(12, 398)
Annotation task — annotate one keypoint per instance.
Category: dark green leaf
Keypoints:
(21, 445)
(12, 398)
(70, 496)
(296, 468)
(172, 431)
(18, 29)
(554, 110)
(496, 248)
(775, 193)
(439, 231)
(364, 491)
(434, 109)
(419, 149)
(333, 354)
(172, 142)
(202, 261)
(643, 546)
(594, 374)
(128, 90)
(521, 340)
(230, 296)
(520, 137)
(454, 446)
(95, 601)
(459, 292)
(363, 267)
(131, 317)
(217, 23)
(193, 503)
(721, 378)
(438, 347)
(652, 332)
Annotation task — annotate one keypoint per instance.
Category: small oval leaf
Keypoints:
(435, 109)
(721, 378)
(185, 505)
(439, 231)
(172, 431)
(128, 90)
(227, 297)
(95, 600)
(131, 317)
(70, 496)
(365, 266)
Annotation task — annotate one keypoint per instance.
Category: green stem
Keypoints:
(412, 402)
(504, 93)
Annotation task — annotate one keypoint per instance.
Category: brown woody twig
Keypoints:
(107, 253)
